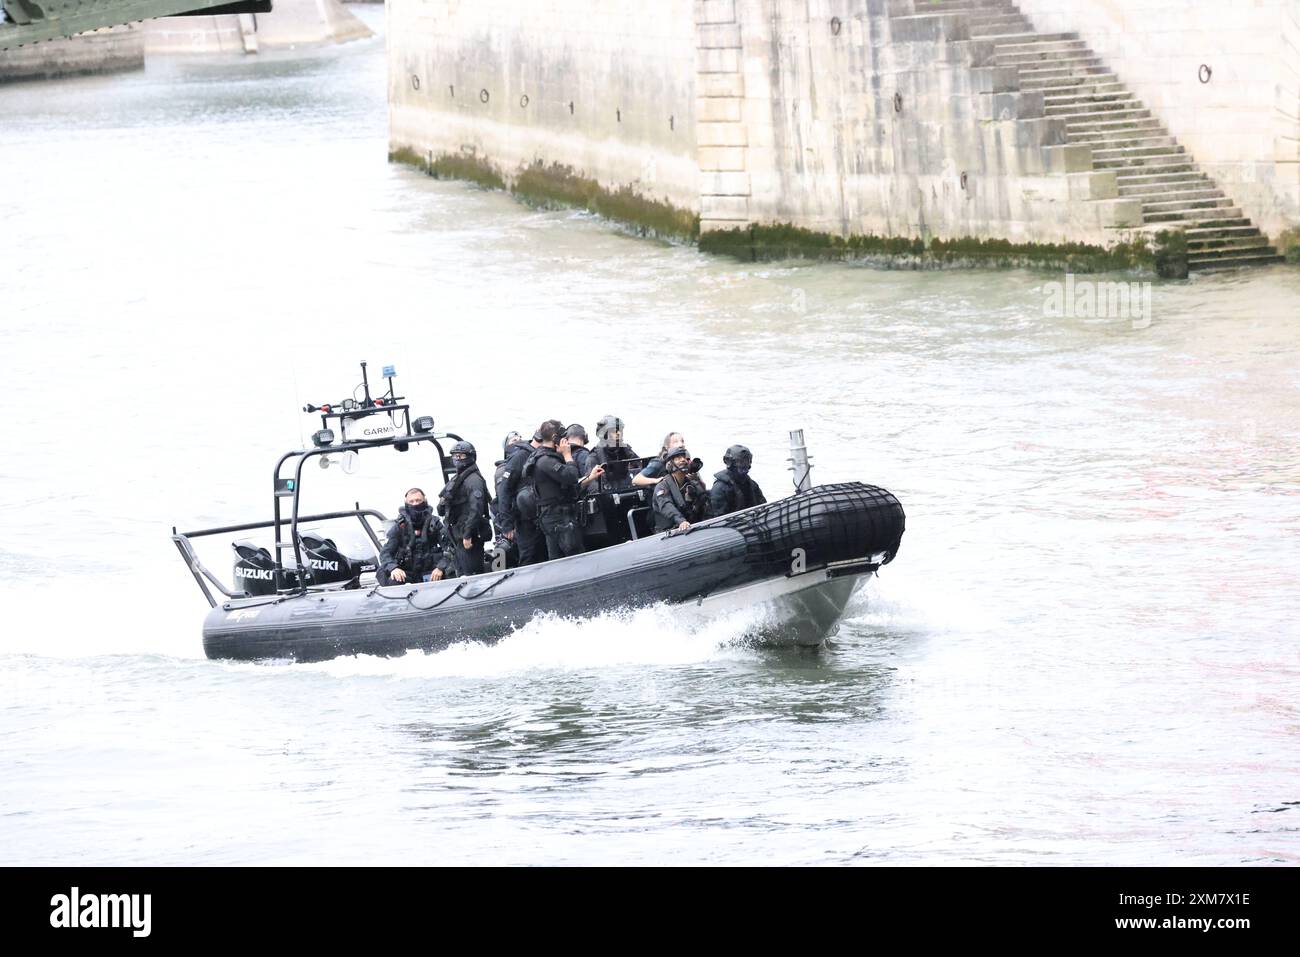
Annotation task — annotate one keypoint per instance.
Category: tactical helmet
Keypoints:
(509, 440)
(671, 454)
(578, 432)
(739, 458)
(465, 449)
(608, 424)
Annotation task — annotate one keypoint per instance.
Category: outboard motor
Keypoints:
(327, 565)
(254, 569)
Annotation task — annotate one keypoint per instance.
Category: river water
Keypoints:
(1085, 653)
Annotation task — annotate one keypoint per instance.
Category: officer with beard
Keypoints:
(464, 506)
(733, 489)
(415, 548)
(679, 498)
(610, 451)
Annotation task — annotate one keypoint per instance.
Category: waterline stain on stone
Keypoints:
(784, 241)
(556, 186)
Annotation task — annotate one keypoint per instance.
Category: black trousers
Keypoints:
(531, 542)
(560, 525)
(384, 578)
(469, 561)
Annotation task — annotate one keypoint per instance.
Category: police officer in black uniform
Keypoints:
(610, 451)
(503, 515)
(679, 498)
(554, 477)
(577, 437)
(464, 506)
(517, 502)
(733, 489)
(416, 545)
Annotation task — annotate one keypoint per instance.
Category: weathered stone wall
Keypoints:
(869, 117)
(563, 94)
(104, 51)
(1243, 126)
(845, 117)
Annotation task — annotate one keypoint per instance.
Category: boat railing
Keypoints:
(203, 575)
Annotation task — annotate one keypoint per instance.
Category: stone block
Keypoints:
(930, 28)
(716, 158)
(995, 79)
(1099, 184)
(1025, 104)
(1119, 213)
(720, 84)
(725, 35)
(718, 109)
(980, 52)
(725, 207)
(724, 184)
(713, 60)
(1073, 158)
(715, 11)
(720, 134)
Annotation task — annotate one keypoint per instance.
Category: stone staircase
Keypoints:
(1100, 112)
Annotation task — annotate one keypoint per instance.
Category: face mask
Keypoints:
(460, 463)
(741, 469)
(418, 512)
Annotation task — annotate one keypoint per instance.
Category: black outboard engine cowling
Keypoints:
(254, 569)
(326, 565)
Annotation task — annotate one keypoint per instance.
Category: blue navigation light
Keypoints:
(390, 371)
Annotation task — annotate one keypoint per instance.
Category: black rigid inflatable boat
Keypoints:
(797, 560)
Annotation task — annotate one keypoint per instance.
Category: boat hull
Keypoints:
(796, 562)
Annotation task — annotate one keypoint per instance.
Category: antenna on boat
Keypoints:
(800, 462)
(365, 384)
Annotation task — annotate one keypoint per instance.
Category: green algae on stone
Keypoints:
(784, 241)
(463, 166)
(1288, 244)
(548, 186)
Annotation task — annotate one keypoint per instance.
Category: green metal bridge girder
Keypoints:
(29, 21)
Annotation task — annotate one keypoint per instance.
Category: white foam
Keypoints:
(645, 636)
